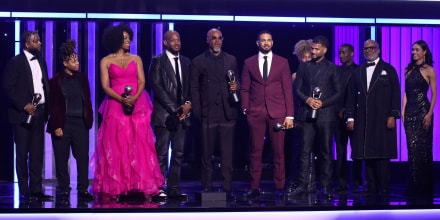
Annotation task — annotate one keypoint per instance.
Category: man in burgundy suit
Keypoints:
(267, 99)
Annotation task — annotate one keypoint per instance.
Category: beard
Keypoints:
(316, 59)
(264, 51)
(34, 51)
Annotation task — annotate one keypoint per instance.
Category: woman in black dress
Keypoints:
(417, 118)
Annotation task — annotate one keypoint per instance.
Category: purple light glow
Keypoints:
(158, 31)
(48, 55)
(91, 67)
(30, 25)
(133, 46)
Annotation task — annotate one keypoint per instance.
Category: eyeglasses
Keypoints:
(369, 48)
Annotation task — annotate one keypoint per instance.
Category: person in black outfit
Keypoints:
(70, 118)
(26, 75)
(417, 118)
(323, 74)
(346, 53)
(373, 105)
(169, 75)
(212, 107)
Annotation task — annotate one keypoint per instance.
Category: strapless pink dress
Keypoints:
(125, 157)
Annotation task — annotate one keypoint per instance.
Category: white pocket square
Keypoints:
(383, 73)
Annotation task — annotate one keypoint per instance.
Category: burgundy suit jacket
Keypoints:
(275, 95)
(57, 104)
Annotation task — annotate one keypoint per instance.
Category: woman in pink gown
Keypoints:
(125, 159)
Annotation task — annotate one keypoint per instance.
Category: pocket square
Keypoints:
(383, 73)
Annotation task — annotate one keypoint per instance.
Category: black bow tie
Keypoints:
(370, 64)
(34, 58)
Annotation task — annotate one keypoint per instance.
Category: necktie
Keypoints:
(179, 84)
(265, 69)
(34, 58)
(370, 64)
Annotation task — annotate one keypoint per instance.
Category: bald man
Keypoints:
(169, 75)
(212, 106)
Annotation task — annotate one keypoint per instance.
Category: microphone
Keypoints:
(231, 77)
(128, 110)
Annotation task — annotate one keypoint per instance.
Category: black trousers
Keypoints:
(217, 128)
(29, 140)
(177, 139)
(75, 135)
(377, 173)
(323, 132)
(341, 139)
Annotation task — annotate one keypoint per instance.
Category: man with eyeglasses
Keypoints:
(373, 105)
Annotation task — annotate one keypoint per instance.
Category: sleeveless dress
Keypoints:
(125, 157)
(419, 140)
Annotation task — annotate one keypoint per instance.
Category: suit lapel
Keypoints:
(30, 79)
(257, 69)
(376, 73)
(169, 69)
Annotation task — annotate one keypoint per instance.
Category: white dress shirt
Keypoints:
(173, 63)
(261, 62)
(370, 71)
(37, 75)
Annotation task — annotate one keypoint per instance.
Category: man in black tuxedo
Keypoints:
(322, 73)
(210, 93)
(346, 53)
(26, 75)
(374, 86)
(169, 75)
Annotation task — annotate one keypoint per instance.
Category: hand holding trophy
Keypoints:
(312, 114)
(28, 118)
(128, 110)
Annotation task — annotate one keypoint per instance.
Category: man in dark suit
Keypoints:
(318, 73)
(346, 53)
(374, 86)
(267, 99)
(210, 95)
(26, 75)
(169, 75)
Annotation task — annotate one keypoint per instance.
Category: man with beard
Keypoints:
(267, 99)
(25, 76)
(318, 74)
(169, 75)
(346, 53)
(374, 86)
(217, 113)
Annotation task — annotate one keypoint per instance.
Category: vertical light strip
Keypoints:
(134, 42)
(373, 33)
(30, 26)
(171, 26)
(435, 50)
(91, 66)
(395, 62)
(385, 44)
(405, 45)
(48, 55)
(16, 189)
(74, 36)
(158, 38)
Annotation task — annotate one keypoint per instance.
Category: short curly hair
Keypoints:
(114, 37)
(67, 50)
(302, 47)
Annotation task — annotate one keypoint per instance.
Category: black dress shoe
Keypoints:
(161, 197)
(253, 194)
(279, 194)
(230, 196)
(64, 196)
(292, 186)
(42, 196)
(86, 196)
(177, 194)
(299, 191)
(326, 192)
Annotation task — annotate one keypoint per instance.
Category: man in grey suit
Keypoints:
(169, 75)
